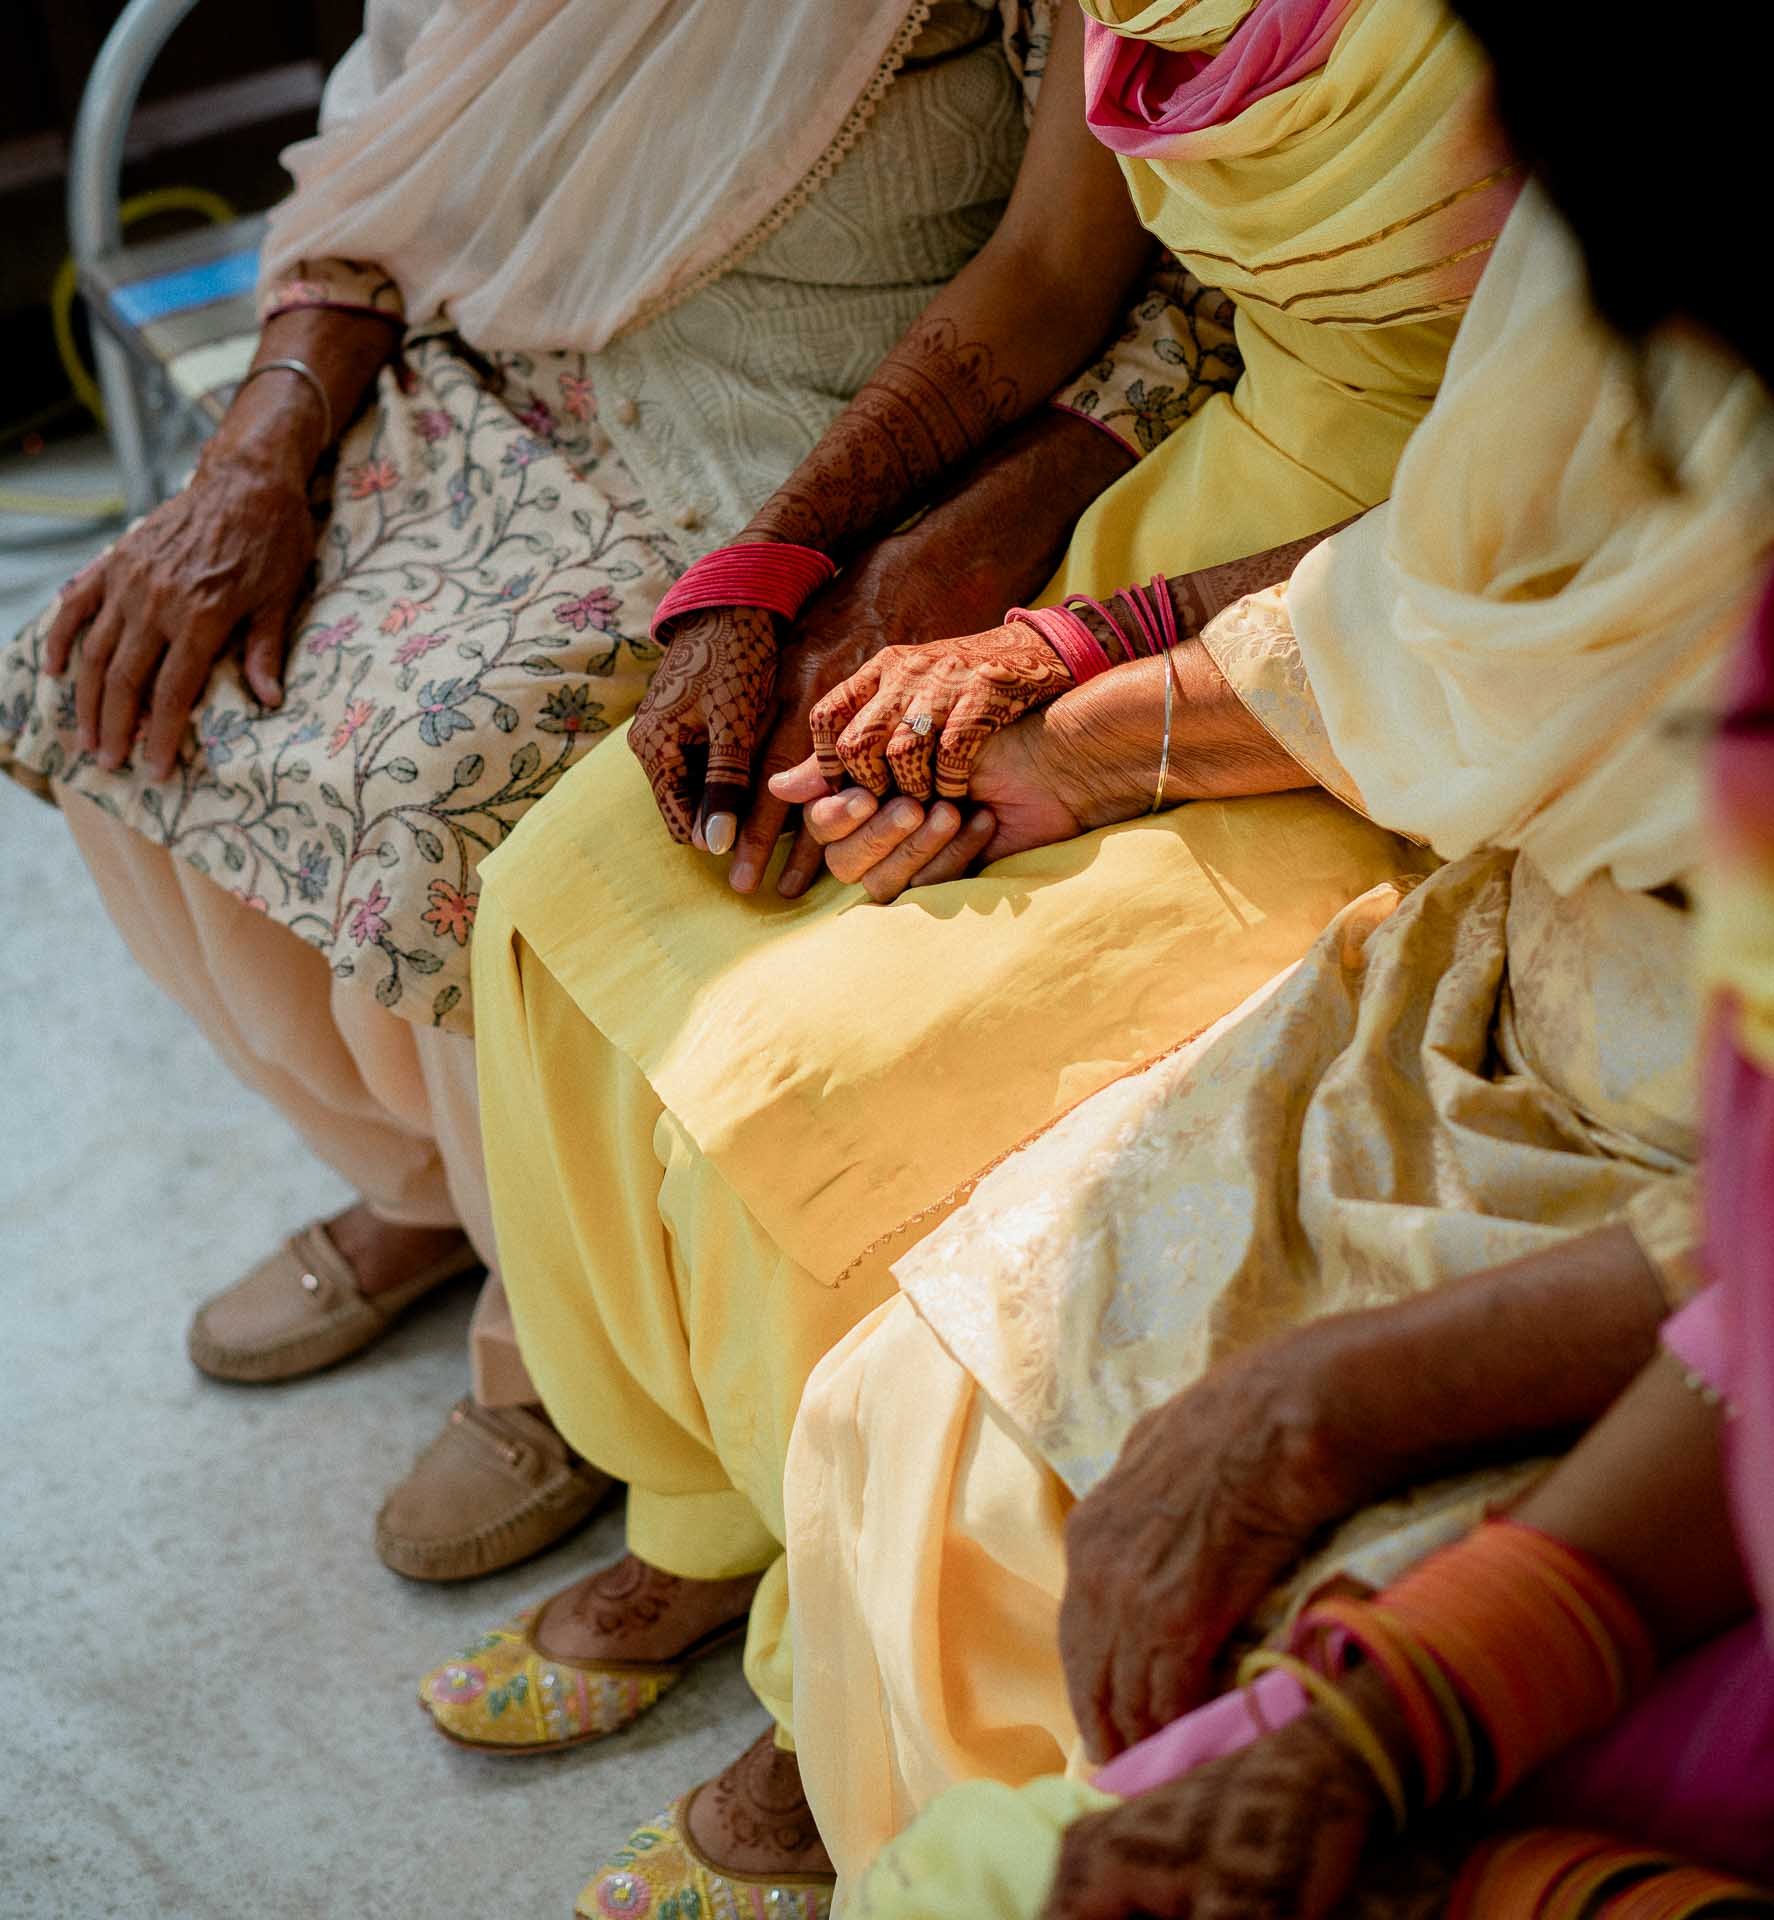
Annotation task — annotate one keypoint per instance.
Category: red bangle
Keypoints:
(762, 573)
(1080, 651)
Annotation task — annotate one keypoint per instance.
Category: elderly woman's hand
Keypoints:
(917, 718)
(1274, 1830)
(1215, 1495)
(697, 729)
(1021, 798)
(228, 557)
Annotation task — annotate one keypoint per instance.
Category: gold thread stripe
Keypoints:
(1370, 286)
(1373, 239)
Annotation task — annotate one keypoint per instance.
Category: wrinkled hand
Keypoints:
(903, 589)
(968, 688)
(1214, 1496)
(229, 555)
(1021, 797)
(697, 729)
(1274, 1831)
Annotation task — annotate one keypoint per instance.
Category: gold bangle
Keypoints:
(1354, 1726)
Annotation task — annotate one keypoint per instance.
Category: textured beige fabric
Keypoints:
(1453, 1076)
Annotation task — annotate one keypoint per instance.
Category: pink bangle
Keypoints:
(763, 573)
(1080, 651)
(1154, 613)
(1076, 600)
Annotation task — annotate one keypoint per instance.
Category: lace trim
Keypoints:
(855, 125)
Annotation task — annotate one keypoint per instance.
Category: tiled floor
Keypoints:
(211, 1693)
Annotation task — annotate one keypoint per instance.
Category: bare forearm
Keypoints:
(1109, 735)
(1645, 1495)
(995, 536)
(1026, 313)
(1517, 1356)
(278, 419)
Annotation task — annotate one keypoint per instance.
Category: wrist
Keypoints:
(279, 461)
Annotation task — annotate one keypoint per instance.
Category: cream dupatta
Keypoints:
(551, 173)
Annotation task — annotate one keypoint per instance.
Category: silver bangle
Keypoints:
(306, 372)
(1164, 758)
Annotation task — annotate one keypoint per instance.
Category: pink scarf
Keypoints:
(1140, 98)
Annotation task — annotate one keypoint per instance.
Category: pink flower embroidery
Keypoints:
(400, 616)
(450, 912)
(434, 425)
(369, 922)
(577, 397)
(538, 416)
(457, 1686)
(598, 608)
(415, 647)
(330, 639)
(355, 715)
(373, 477)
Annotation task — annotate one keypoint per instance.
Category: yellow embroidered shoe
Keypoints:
(661, 1872)
(504, 1695)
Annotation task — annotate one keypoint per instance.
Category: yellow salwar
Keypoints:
(688, 1173)
(827, 1076)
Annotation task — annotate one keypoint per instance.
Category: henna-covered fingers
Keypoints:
(697, 729)
(833, 714)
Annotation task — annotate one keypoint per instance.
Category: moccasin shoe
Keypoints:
(302, 1310)
(495, 1486)
(505, 1695)
(662, 1870)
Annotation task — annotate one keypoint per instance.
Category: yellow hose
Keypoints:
(64, 291)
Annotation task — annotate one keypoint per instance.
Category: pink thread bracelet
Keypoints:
(766, 573)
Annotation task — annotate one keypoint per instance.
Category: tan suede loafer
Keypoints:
(302, 1310)
(497, 1485)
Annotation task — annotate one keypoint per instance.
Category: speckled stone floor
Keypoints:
(212, 1676)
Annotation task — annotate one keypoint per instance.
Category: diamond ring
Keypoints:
(920, 723)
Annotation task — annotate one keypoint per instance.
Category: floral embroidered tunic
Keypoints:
(499, 528)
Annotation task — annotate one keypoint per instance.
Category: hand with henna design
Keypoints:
(1274, 1831)
(697, 729)
(1214, 1496)
(968, 689)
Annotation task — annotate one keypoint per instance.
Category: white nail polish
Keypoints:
(720, 833)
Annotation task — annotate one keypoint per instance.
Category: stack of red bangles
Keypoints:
(1501, 1652)
(1556, 1875)
(1151, 615)
(770, 574)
